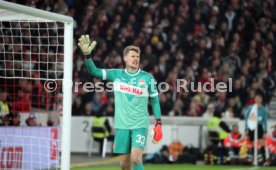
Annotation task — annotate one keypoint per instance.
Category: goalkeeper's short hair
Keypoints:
(133, 48)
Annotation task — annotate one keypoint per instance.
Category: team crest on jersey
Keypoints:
(141, 83)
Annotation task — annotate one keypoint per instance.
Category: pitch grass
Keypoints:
(181, 167)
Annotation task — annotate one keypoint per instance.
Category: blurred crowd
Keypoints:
(195, 40)
(235, 149)
(181, 39)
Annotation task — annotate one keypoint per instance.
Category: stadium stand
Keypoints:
(192, 40)
(228, 41)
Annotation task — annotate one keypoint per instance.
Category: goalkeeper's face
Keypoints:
(132, 59)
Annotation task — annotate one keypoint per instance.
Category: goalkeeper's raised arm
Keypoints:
(87, 47)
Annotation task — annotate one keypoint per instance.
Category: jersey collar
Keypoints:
(132, 74)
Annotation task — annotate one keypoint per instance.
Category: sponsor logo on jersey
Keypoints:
(131, 89)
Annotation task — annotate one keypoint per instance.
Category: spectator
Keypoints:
(12, 119)
(271, 145)
(209, 111)
(101, 129)
(233, 144)
(97, 102)
(217, 129)
(177, 108)
(166, 103)
(262, 123)
(229, 112)
(60, 7)
(159, 157)
(4, 107)
(31, 121)
(176, 149)
(77, 106)
(108, 108)
(88, 110)
(22, 102)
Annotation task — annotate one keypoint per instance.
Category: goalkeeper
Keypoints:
(132, 88)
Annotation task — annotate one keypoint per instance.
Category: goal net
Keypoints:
(35, 70)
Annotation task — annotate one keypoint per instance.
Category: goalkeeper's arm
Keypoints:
(87, 47)
(155, 107)
(158, 135)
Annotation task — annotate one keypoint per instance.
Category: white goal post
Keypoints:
(10, 13)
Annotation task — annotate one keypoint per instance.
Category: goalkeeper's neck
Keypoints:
(132, 70)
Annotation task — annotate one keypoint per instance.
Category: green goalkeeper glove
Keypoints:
(85, 45)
